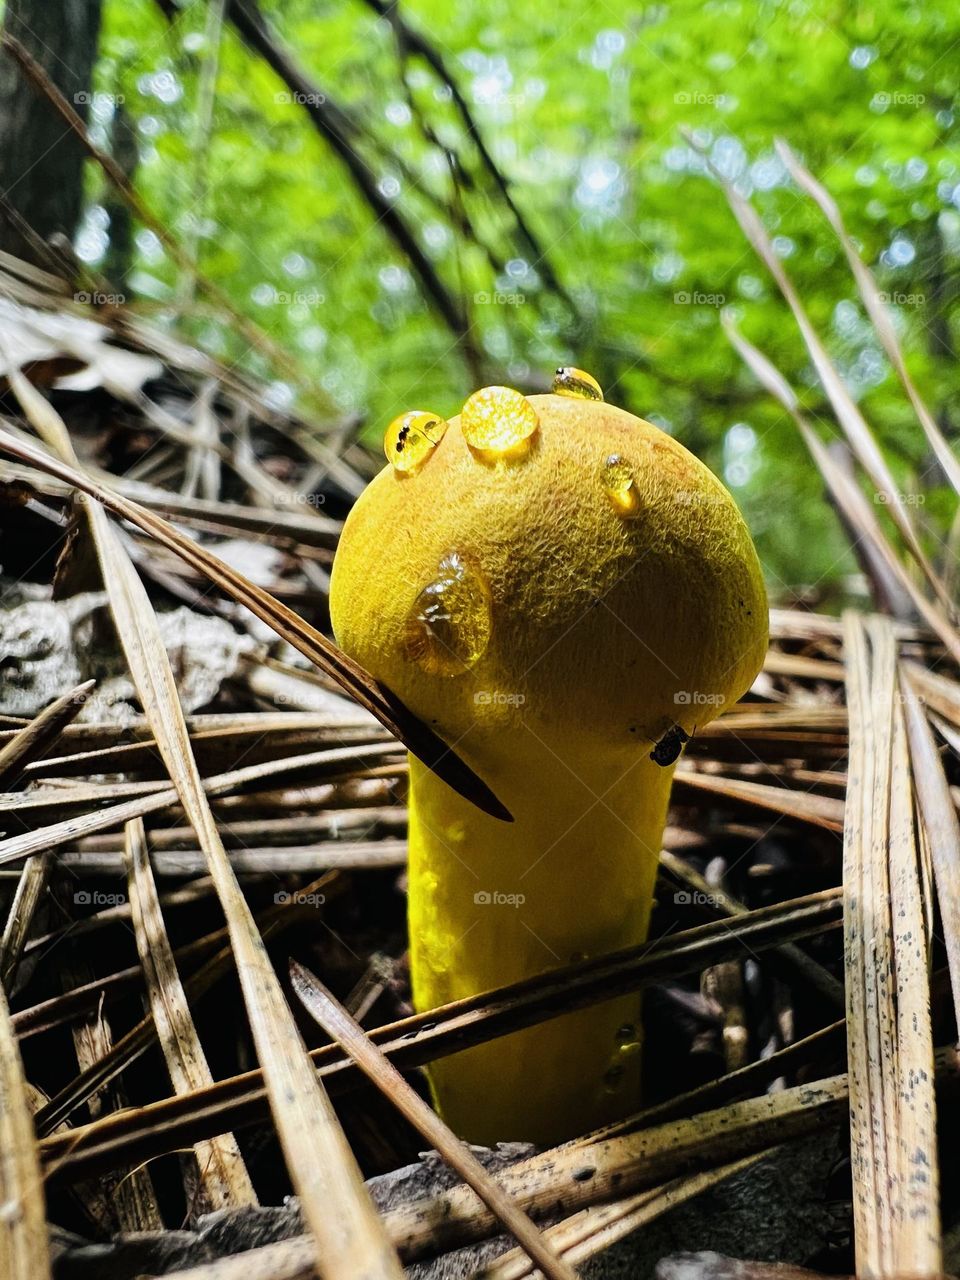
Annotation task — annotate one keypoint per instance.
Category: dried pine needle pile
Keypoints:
(197, 791)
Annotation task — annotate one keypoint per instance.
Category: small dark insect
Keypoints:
(669, 747)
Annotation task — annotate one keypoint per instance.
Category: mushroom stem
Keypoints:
(490, 904)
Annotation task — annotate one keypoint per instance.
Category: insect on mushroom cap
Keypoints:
(590, 575)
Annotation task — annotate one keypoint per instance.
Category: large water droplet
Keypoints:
(410, 439)
(568, 381)
(628, 1042)
(448, 628)
(496, 419)
(620, 487)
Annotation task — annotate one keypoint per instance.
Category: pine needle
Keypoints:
(341, 1027)
(889, 1040)
(336, 1205)
(24, 1250)
(875, 308)
(417, 736)
(223, 1174)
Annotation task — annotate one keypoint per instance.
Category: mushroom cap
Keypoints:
(605, 629)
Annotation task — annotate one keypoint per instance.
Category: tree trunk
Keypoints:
(41, 162)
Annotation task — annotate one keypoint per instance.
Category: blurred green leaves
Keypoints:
(581, 108)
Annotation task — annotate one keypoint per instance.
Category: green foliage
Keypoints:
(583, 109)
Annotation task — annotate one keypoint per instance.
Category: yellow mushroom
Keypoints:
(565, 594)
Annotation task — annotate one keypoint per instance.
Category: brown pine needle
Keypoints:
(846, 493)
(24, 1249)
(163, 1126)
(31, 741)
(222, 1172)
(875, 309)
(889, 1040)
(938, 816)
(589, 1231)
(391, 713)
(848, 415)
(336, 1205)
(347, 1032)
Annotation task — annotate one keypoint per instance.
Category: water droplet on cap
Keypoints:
(410, 439)
(448, 628)
(496, 419)
(620, 487)
(568, 381)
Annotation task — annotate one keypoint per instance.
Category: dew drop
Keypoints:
(496, 419)
(568, 381)
(628, 1042)
(620, 486)
(613, 1078)
(410, 439)
(448, 629)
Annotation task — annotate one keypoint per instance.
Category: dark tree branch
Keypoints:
(343, 135)
(411, 43)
